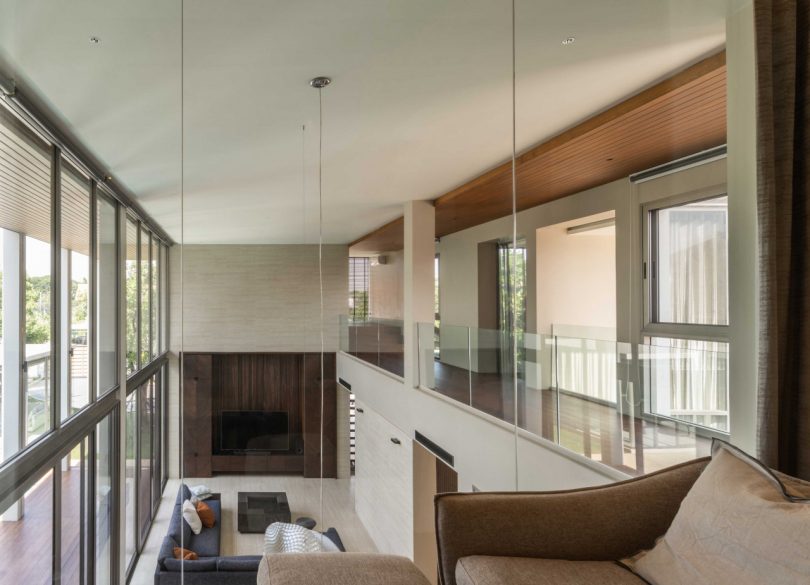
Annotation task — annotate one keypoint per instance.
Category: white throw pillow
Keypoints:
(740, 524)
(191, 517)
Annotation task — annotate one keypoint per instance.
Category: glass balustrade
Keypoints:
(380, 342)
(634, 407)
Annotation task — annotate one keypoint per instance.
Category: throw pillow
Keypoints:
(183, 554)
(206, 514)
(201, 492)
(740, 524)
(191, 517)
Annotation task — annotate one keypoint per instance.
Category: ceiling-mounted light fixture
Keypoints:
(569, 41)
(95, 40)
(320, 82)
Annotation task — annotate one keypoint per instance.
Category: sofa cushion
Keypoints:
(199, 566)
(205, 513)
(191, 517)
(338, 569)
(206, 543)
(166, 550)
(242, 563)
(482, 570)
(738, 525)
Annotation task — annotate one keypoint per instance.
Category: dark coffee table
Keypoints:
(258, 510)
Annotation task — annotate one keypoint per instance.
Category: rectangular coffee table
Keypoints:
(258, 510)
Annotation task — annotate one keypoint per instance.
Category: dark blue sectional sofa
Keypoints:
(210, 568)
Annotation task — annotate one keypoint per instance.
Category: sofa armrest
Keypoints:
(600, 523)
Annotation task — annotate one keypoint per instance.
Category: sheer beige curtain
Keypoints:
(783, 79)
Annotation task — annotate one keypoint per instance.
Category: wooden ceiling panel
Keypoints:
(388, 238)
(679, 116)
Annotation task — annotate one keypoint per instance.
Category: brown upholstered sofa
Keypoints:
(569, 537)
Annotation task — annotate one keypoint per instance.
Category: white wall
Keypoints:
(576, 276)
(257, 298)
(386, 288)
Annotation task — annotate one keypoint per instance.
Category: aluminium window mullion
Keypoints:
(56, 524)
(138, 311)
(92, 297)
(56, 286)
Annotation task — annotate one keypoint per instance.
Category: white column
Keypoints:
(13, 353)
(420, 251)
(742, 218)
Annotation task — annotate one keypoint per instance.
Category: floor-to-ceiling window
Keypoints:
(75, 290)
(60, 307)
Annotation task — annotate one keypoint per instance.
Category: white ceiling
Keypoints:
(420, 103)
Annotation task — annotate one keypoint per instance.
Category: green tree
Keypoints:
(132, 315)
(358, 309)
(37, 309)
(79, 301)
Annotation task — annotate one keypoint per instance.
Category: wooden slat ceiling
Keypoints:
(681, 115)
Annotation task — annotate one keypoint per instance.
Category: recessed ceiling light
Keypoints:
(95, 40)
(569, 40)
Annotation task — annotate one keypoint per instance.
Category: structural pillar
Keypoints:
(420, 252)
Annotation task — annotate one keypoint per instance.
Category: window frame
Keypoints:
(651, 327)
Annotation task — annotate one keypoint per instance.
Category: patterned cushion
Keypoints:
(281, 537)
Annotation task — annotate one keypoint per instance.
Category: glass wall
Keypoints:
(106, 295)
(59, 315)
(132, 295)
(39, 377)
(105, 500)
(75, 302)
(73, 472)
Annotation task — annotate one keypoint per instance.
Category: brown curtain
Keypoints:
(783, 125)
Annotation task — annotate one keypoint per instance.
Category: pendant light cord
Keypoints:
(320, 273)
(514, 249)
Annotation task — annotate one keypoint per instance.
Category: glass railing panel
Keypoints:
(451, 371)
(379, 342)
(391, 346)
(586, 384)
(538, 412)
(636, 408)
(492, 367)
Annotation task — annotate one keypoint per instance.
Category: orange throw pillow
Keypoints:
(206, 514)
(184, 554)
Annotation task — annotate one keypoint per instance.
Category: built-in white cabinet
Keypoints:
(384, 482)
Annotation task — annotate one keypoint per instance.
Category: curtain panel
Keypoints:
(783, 127)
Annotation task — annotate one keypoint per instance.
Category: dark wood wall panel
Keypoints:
(197, 416)
(288, 382)
(311, 382)
(268, 382)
